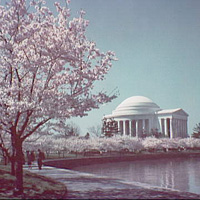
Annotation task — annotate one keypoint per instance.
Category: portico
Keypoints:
(173, 122)
(133, 127)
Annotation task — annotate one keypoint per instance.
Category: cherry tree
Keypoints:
(48, 70)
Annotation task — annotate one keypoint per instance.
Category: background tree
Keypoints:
(48, 70)
(6, 150)
(95, 130)
(66, 130)
(196, 133)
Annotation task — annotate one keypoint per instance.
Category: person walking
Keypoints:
(29, 162)
(40, 159)
(32, 156)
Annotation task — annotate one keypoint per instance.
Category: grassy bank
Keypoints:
(35, 186)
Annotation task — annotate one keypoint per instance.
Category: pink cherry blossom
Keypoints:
(48, 68)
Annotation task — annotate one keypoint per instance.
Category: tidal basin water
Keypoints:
(181, 174)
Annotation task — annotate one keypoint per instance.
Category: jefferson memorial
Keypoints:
(138, 115)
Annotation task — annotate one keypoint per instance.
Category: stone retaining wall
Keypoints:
(70, 163)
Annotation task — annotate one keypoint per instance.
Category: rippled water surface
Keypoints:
(175, 173)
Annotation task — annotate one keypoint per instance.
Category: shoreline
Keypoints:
(96, 186)
(82, 185)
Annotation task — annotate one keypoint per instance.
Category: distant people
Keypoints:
(32, 156)
(29, 162)
(40, 159)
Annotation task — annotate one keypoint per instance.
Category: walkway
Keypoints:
(88, 186)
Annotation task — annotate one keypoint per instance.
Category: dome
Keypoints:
(136, 105)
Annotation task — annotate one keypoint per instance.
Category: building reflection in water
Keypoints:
(173, 173)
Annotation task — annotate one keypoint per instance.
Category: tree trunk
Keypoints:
(5, 160)
(12, 159)
(19, 168)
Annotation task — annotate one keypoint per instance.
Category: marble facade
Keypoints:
(139, 115)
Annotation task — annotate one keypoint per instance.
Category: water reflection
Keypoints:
(176, 173)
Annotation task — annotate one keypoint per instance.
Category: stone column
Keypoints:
(171, 129)
(124, 127)
(143, 126)
(136, 127)
(181, 127)
(160, 123)
(177, 127)
(165, 123)
(130, 128)
(185, 128)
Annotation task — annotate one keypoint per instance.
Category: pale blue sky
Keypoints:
(157, 43)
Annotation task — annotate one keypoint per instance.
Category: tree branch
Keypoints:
(35, 128)
(29, 113)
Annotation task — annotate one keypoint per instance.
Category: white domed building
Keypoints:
(139, 115)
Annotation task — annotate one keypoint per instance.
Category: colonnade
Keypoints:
(173, 127)
(170, 127)
(133, 127)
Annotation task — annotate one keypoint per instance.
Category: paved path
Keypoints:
(88, 186)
